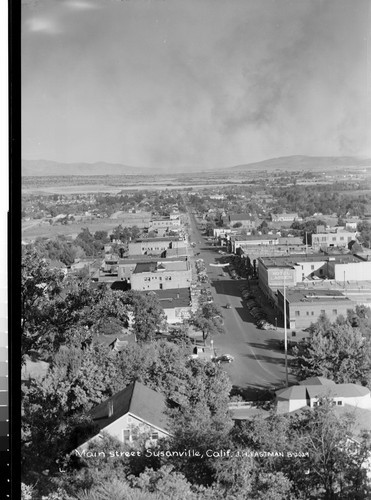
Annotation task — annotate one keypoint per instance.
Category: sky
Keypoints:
(194, 84)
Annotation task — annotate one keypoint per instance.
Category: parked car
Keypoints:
(224, 358)
(228, 306)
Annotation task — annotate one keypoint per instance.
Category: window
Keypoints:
(126, 435)
(297, 313)
(307, 313)
(341, 238)
(154, 435)
(312, 313)
(334, 311)
(340, 403)
(334, 238)
(312, 267)
(323, 311)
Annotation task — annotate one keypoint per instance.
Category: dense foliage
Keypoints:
(310, 454)
(339, 351)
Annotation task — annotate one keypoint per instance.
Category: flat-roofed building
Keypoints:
(245, 220)
(164, 222)
(255, 248)
(176, 303)
(161, 275)
(301, 268)
(244, 242)
(304, 307)
(155, 246)
(326, 240)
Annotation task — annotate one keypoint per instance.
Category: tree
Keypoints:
(336, 351)
(263, 227)
(51, 407)
(208, 319)
(57, 310)
(315, 459)
(364, 228)
(148, 315)
(165, 481)
(101, 236)
(360, 318)
(333, 463)
(39, 287)
(209, 228)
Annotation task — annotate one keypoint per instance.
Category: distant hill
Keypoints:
(41, 168)
(48, 168)
(311, 163)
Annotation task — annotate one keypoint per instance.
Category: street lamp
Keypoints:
(275, 319)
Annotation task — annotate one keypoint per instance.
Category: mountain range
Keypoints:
(49, 168)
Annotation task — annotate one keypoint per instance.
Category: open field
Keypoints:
(33, 229)
(102, 188)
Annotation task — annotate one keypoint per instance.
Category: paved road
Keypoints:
(259, 363)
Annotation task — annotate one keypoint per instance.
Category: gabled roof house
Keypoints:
(130, 413)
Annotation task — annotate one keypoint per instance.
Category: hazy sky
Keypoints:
(194, 83)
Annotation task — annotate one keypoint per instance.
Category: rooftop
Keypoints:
(137, 399)
(317, 381)
(135, 259)
(174, 297)
(323, 389)
(294, 295)
(297, 259)
(145, 267)
(239, 217)
(154, 240)
(291, 240)
(154, 266)
(257, 237)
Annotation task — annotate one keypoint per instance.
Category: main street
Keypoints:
(258, 364)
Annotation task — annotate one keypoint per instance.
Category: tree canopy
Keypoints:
(337, 351)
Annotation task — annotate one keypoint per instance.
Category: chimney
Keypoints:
(110, 408)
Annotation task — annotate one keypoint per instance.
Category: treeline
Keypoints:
(37, 206)
(325, 199)
(86, 244)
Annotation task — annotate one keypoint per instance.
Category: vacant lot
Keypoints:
(33, 229)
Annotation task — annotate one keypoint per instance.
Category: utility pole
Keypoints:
(285, 326)
(306, 243)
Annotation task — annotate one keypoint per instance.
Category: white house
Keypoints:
(310, 391)
(133, 412)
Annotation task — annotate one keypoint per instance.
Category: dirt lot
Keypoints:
(33, 229)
